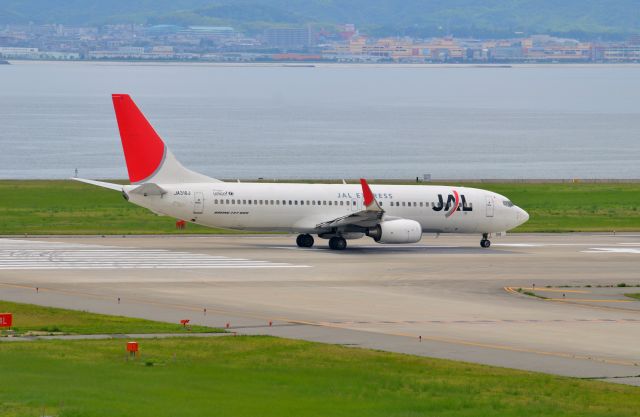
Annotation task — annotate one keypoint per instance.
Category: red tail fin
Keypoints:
(144, 151)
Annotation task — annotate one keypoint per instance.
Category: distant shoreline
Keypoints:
(320, 64)
(391, 181)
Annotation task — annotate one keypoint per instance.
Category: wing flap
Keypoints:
(364, 218)
(369, 217)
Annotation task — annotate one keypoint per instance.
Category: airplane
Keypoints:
(390, 214)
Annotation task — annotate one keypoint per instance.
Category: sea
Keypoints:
(328, 121)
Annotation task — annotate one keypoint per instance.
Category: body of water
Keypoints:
(328, 121)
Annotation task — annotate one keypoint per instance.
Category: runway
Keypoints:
(443, 297)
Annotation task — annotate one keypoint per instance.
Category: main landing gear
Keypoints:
(337, 243)
(485, 242)
(304, 241)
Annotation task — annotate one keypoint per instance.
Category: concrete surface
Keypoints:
(444, 297)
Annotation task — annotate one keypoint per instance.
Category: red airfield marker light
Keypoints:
(184, 322)
(6, 319)
(132, 348)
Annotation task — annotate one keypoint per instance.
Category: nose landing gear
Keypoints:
(304, 241)
(485, 242)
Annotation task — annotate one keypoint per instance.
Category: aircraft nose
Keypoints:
(523, 216)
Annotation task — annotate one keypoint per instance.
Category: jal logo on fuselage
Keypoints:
(455, 202)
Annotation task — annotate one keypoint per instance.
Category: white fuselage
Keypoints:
(301, 208)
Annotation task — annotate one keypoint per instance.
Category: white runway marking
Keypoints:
(612, 250)
(320, 247)
(37, 255)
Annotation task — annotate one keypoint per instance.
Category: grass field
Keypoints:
(69, 207)
(262, 376)
(33, 318)
(634, 295)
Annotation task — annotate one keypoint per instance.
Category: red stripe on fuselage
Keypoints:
(456, 205)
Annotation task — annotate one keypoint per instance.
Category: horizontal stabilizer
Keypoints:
(109, 185)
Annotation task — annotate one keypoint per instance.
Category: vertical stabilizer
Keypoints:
(148, 158)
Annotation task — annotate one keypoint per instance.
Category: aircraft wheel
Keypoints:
(337, 243)
(304, 241)
(485, 243)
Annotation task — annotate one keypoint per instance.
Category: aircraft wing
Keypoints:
(369, 217)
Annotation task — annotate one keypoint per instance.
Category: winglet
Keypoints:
(370, 201)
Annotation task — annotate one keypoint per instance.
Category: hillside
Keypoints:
(586, 18)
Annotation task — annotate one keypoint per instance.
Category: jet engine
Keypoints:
(396, 231)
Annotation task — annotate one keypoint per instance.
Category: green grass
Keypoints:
(69, 207)
(29, 317)
(634, 295)
(531, 294)
(263, 376)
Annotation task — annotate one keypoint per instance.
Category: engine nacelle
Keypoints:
(397, 231)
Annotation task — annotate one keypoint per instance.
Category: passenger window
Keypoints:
(307, 202)
(255, 202)
(329, 202)
(260, 202)
(295, 202)
(227, 201)
(302, 202)
(215, 201)
(421, 204)
(244, 201)
(290, 203)
(341, 202)
(324, 202)
(403, 204)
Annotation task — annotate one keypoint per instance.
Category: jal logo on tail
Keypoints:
(455, 202)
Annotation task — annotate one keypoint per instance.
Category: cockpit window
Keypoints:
(507, 203)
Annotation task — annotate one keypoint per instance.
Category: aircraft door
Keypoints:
(198, 202)
(356, 205)
(489, 206)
